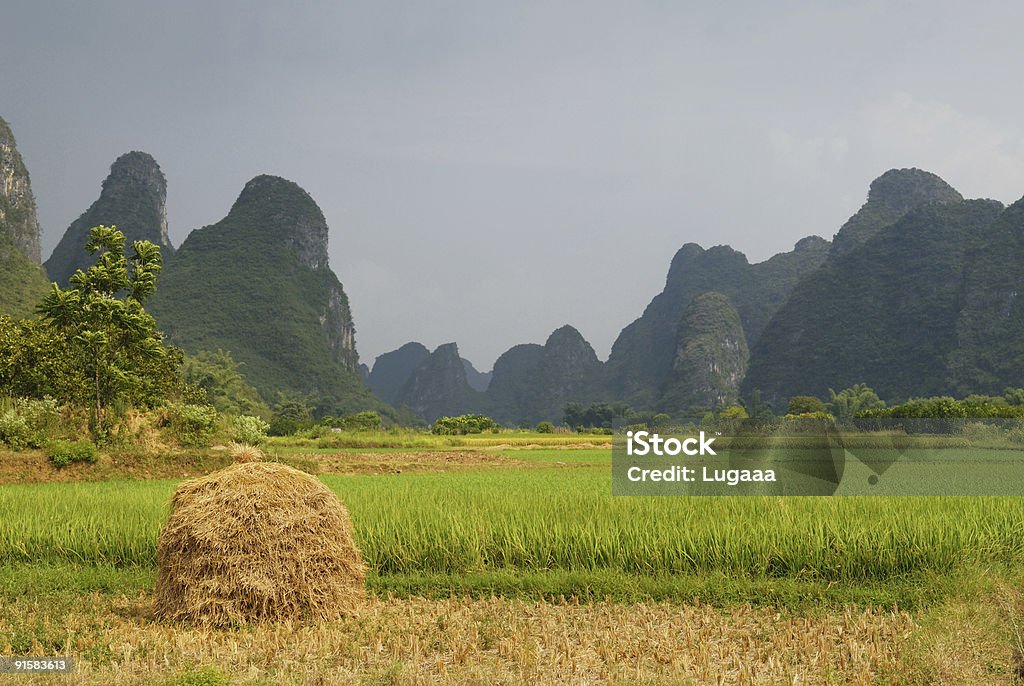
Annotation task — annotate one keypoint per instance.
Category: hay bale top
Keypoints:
(260, 485)
(257, 541)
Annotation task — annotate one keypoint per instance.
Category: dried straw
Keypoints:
(257, 541)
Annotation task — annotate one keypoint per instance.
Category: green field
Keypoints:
(519, 566)
(557, 530)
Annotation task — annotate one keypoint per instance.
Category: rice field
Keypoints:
(531, 572)
(553, 519)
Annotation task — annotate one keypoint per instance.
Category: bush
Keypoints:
(805, 405)
(192, 425)
(14, 430)
(250, 430)
(734, 412)
(360, 421)
(63, 453)
(464, 424)
(42, 416)
(545, 428)
(26, 423)
(207, 676)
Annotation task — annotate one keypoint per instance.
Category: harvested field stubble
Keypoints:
(257, 541)
(455, 641)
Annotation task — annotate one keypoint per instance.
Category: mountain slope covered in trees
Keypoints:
(257, 284)
(883, 313)
(23, 282)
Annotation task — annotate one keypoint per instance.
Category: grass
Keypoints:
(538, 575)
(103, 617)
(406, 439)
(475, 642)
(562, 526)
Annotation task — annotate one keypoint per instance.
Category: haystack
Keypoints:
(257, 541)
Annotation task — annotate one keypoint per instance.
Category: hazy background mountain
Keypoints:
(392, 369)
(882, 313)
(644, 353)
(134, 199)
(531, 382)
(989, 331)
(437, 386)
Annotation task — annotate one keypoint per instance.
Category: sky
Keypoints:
(491, 171)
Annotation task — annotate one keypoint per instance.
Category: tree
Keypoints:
(107, 331)
(845, 404)
(35, 362)
(805, 404)
(1014, 396)
(596, 415)
(734, 412)
(217, 373)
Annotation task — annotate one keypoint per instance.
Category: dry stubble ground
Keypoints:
(491, 642)
(501, 641)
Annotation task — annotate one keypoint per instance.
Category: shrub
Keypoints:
(192, 425)
(734, 412)
(545, 428)
(283, 426)
(805, 405)
(463, 424)
(207, 676)
(250, 430)
(360, 421)
(42, 416)
(63, 453)
(14, 430)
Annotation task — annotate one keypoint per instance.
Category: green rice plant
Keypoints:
(535, 520)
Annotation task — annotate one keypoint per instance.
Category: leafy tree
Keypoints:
(545, 428)
(359, 421)
(805, 404)
(250, 430)
(35, 362)
(463, 424)
(1014, 396)
(945, 407)
(293, 412)
(845, 404)
(293, 406)
(107, 331)
(217, 373)
(597, 415)
(734, 412)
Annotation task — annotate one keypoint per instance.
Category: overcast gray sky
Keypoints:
(493, 170)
